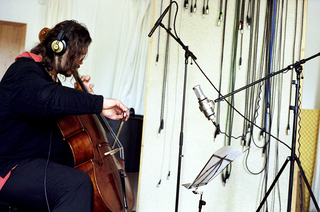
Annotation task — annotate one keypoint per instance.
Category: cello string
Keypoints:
(106, 124)
(114, 136)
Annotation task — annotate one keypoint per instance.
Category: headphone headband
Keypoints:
(64, 31)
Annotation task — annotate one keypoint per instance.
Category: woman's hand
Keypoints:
(114, 109)
(85, 80)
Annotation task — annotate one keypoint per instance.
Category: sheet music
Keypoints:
(217, 162)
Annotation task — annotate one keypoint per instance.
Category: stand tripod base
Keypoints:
(292, 160)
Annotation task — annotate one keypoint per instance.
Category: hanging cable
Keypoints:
(186, 4)
(167, 131)
(236, 110)
(249, 14)
(191, 6)
(165, 73)
(301, 196)
(278, 87)
(158, 45)
(267, 122)
(176, 103)
(249, 93)
(205, 8)
(241, 22)
(232, 80)
(174, 116)
(293, 59)
(221, 68)
(194, 6)
(299, 105)
(220, 18)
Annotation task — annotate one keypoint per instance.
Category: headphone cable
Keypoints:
(45, 171)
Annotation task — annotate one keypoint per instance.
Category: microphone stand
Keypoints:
(188, 54)
(293, 157)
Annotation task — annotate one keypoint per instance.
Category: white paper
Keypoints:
(217, 162)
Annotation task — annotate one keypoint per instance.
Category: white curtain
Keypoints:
(118, 56)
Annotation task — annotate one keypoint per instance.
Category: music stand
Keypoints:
(217, 162)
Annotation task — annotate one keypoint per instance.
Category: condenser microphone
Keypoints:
(159, 20)
(205, 105)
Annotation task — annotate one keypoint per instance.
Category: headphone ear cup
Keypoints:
(58, 47)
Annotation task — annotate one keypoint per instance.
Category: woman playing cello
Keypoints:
(36, 163)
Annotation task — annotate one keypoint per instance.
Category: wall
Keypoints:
(31, 12)
(310, 97)
(160, 151)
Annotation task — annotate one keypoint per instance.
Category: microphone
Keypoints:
(159, 20)
(205, 105)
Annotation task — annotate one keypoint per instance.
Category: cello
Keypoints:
(93, 154)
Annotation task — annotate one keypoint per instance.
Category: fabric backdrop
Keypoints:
(117, 57)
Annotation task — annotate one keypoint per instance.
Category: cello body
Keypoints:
(92, 154)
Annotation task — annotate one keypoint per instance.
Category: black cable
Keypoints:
(232, 79)
(49, 153)
(158, 45)
(165, 74)
(221, 63)
(220, 13)
(246, 126)
(237, 109)
(45, 171)
(249, 14)
(252, 61)
(299, 117)
(299, 153)
(220, 95)
(241, 23)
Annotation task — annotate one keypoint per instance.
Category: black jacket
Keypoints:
(30, 102)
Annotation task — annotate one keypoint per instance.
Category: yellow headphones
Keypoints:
(59, 45)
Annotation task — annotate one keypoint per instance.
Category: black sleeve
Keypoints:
(33, 92)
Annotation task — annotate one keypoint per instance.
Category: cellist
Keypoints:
(36, 164)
